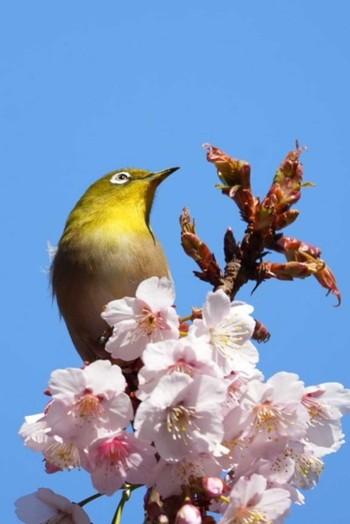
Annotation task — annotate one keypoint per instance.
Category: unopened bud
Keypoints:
(264, 216)
(261, 333)
(191, 244)
(231, 171)
(199, 251)
(285, 219)
(213, 486)
(287, 181)
(163, 519)
(196, 312)
(188, 514)
(289, 270)
(326, 278)
(235, 175)
(186, 223)
(293, 248)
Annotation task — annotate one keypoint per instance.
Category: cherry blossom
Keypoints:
(34, 431)
(326, 404)
(117, 458)
(272, 413)
(148, 317)
(85, 400)
(206, 424)
(191, 357)
(307, 465)
(46, 506)
(182, 416)
(171, 477)
(59, 454)
(252, 501)
(227, 327)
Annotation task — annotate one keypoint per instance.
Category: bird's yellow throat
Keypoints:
(112, 216)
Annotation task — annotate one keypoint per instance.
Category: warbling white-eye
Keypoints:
(106, 250)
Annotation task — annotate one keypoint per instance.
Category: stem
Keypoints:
(187, 318)
(90, 499)
(117, 517)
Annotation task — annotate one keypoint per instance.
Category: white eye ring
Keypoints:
(120, 178)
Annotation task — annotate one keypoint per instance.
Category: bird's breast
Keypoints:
(86, 275)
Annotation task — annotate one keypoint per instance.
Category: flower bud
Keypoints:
(213, 486)
(195, 248)
(287, 182)
(289, 270)
(188, 514)
(326, 278)
(285, 219)
(294, 249)
(261, 333)
(187, 225)
(235, 175)
(231, 171)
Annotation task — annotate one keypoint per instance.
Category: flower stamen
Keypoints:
(179, 422)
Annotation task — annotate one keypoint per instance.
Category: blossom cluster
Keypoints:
(202, 422)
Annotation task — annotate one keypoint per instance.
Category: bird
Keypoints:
(107, 248)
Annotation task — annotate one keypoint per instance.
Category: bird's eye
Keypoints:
(120, 178)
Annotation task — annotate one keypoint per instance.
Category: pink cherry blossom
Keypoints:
(307, 465)
(34, 431)
(236, 384)
(279, 471)
(227, 327)
(207, 426)
(85, 400)
(170, 478)
(326, 404)
(272, 413)
(117, 458)
(59, 454)
(239, 455)
(182, 416)
(148, 317)
(62, 454)
(186, 356)
(48, 507)
(252, 501)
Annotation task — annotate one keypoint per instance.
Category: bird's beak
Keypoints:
(162, 175)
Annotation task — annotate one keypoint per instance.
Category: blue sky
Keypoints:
(89, 87)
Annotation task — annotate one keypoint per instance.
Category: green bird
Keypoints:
(106, 250)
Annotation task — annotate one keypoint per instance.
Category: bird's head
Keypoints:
(128, 186)
(123, 196)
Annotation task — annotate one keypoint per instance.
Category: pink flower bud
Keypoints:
(188, 514)
(213, 486)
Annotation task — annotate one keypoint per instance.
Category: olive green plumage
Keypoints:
(106, 250)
